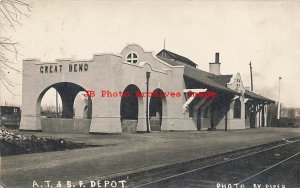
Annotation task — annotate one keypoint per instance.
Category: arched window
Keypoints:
(237, 109)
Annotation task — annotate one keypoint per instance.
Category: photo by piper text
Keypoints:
(86, 184)
(155, 94)
(254, 185)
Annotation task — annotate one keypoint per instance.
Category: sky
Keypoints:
(267, 33)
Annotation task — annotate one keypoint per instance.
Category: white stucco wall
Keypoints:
(108, 72)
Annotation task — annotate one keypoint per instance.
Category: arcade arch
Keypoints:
(130, 107)
(157, 109)
(69, 118)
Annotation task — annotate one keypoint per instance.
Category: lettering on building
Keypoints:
(72, 67)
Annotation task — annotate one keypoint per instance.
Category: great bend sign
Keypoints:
(72, 67)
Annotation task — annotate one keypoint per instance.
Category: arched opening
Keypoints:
(65, 120)
(51, 104)
(157, 108)
(130, 106)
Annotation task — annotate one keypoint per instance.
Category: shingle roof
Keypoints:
(204, 78)
(176, 57)
(253, 95)
(169, 61)
(217, 82)
(221, 79)
(214, 81)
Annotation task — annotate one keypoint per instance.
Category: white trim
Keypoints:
(186, 104)
(64, 59)
(142, 64)
(83, 60)
(70, 60)
(132, 44)
(59, 61)
(194, 90)
(45, 63)
(103, 54)
(161, 61)
(235, 97)
(32, 59)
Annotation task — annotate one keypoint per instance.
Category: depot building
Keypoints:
(138, 74)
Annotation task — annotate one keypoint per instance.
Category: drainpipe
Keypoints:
(147, 101)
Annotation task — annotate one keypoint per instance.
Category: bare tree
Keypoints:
(291, 113)
(11, 12)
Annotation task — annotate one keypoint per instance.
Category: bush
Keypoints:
(16, 143)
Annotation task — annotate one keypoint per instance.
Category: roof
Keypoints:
(169, 61)
(256, 96)
(5, 106)
(176, 57)
(217, 82)
(221, 79)
(204, 78)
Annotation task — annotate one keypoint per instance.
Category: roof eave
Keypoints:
(263, 99)
(215, 88)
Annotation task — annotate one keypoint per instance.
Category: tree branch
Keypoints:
(7, 87)
(12, 12)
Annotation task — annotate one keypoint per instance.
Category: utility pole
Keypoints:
(164, 43)
(278, 110)
(251, 76)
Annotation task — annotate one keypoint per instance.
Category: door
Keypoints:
(252, 120)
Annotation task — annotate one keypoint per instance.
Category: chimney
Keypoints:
(214, 67)
(217, 58)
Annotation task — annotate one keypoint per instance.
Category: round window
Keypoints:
(132, 58)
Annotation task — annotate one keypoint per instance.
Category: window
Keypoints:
(237, 109)
(246, 110)
(132, 58)
(238, 82)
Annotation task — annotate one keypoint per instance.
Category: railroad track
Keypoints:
(274, 167)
